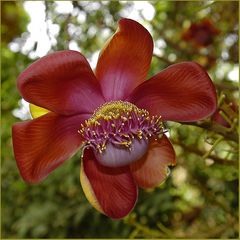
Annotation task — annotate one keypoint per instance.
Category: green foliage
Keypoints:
(198, 200)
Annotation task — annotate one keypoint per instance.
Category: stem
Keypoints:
(233, 136)
(165, 230)
(206, 155)
(200, 153)
(225, 117)
(221, 99)
(226, 86)
(147, 231)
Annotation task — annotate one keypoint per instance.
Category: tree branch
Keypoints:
(226, 86)
(198, 152)
(211, 126)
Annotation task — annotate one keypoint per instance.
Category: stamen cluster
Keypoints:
(119, 122)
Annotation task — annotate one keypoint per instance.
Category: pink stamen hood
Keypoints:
(121, 125)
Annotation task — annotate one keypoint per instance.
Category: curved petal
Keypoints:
(112, 191)
(42, 144)
(61, 82)
(152, 169)
(182, 92)
(125, 60)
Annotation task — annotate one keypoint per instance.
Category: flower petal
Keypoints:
(152, 169)
(88, 191)
(182, 92)
(61, 82)
(125, 60)
(110, 190)
(37, 111)
(42, 144)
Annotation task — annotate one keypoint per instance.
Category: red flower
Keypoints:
(115, 114)
(201, 34)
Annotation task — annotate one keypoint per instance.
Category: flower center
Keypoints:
(119, 132)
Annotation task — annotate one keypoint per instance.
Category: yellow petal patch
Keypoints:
(88, 191)
(37, 111)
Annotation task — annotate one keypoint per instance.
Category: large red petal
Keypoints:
(152, 169)
(182, 92)
(62, 82)
(42, 144)
(114, 188)
(125, 60)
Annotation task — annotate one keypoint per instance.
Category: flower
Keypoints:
(114, 115)
(201, 34)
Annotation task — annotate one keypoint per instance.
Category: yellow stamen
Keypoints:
(114, 110)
